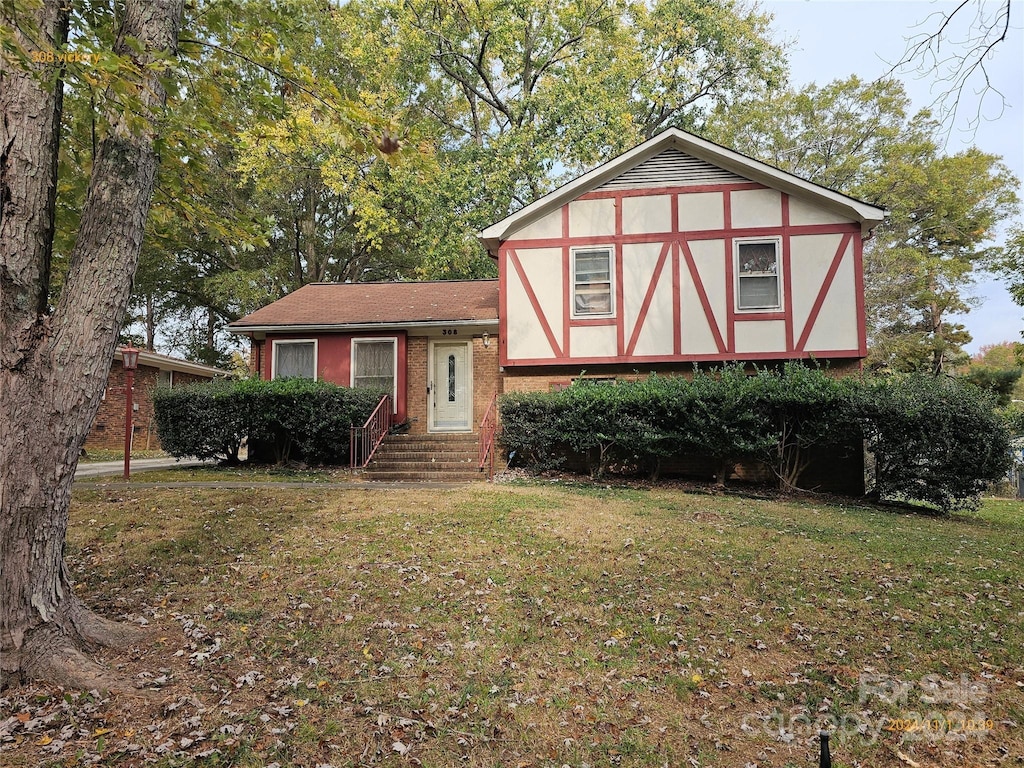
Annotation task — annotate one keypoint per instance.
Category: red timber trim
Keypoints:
(677, 190)
(566, 283)
(620, 296)
(702, 234)
(677, 246)
(730, 278)
(823, 291)
(787, 273)
(502, 306)
(702, 295)
(744, 316)
(823, 354)
(648, 298)
(858, 280)
(514, 259)
(677, 286)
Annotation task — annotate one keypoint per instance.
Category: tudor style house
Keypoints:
(678, 252)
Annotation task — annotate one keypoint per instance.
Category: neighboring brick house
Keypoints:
(678, 252)
(153, 370)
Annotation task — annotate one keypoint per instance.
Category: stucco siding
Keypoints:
(549, 226)
(802, 212)
(810, 258)
(647, 214)
(591, 218)
(756, 208)
(765, 336)
(839, 327)
(701, 211)
(542, 268)
(593, 341)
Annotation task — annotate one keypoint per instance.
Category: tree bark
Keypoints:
(54, 367)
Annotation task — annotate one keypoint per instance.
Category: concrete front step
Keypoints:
(436, 457)
(432, 477)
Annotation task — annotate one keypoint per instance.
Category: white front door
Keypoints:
(451, 387)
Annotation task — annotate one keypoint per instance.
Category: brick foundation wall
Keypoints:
(487, 379)
(537, 379)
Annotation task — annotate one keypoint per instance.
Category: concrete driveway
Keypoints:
(105, 468)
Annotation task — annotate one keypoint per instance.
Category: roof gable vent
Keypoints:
(672, 168)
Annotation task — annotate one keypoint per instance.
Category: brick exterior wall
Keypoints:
(108, 429)
(416, 384)
(536, 379)
(487, 378)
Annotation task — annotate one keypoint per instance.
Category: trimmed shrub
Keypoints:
(936, 440)
(292, 418)
(531, 430)
(805, 410)
(206, 421)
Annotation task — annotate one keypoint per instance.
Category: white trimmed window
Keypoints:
(375, 364)
(757, 275)
(592, 287)
(294, 359)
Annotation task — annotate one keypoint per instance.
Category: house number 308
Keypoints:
(449, 331)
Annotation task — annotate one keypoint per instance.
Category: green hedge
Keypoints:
(934, 440)
(289, 418)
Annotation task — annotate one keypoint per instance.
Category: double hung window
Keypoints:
(294, 359)
(592, 287)
(757, 275)
(374, 364)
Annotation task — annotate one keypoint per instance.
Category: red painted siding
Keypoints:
(334, 359)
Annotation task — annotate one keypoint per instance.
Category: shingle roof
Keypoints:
(362, 304)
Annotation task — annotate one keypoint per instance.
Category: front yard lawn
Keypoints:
(538, 625)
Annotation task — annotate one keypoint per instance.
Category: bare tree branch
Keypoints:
(958, 56)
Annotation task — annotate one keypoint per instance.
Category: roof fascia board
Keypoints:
(702, 149)
(179, 366)
(339, 327)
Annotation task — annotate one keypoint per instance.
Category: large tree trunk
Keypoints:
(54, 367)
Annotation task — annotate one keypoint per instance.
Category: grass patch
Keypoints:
(94, 455)
(541, 625)
(243, 474)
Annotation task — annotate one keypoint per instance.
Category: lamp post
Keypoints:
(130, 357)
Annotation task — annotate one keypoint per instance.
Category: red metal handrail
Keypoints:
(364, 440)
(488, 426)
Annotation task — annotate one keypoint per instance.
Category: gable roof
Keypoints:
(694, 158)
(372, 305)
